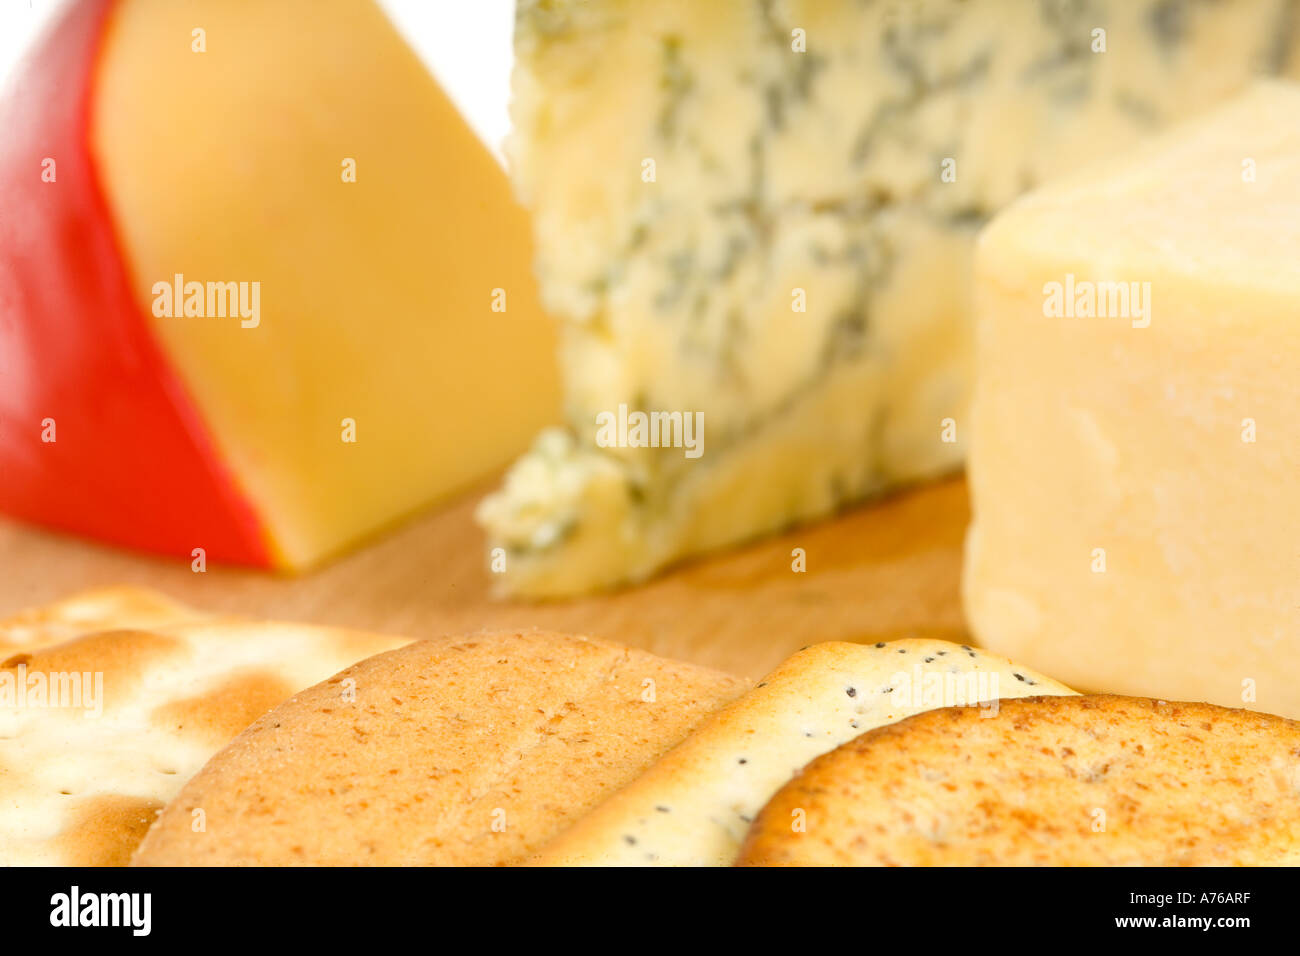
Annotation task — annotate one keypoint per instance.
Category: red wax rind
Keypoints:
(133, 463)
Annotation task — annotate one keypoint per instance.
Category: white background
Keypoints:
(466, 43)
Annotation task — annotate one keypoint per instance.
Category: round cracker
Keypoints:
(99, 731)
(1060, 781)
(463, 751)
(124, 607)
(695, 805)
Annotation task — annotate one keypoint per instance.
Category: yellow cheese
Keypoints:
(231, 164)
(1136, 472)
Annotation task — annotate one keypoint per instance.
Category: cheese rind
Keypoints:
(796, 268)
(1134, 477)
(97, 435)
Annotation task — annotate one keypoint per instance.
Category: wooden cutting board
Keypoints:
(873, 573)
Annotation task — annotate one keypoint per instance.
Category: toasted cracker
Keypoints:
(466, 751)
(1059, 781)
(695, 805)
(134, 713)
(101, 609)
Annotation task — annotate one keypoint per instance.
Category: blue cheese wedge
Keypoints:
(761, 213)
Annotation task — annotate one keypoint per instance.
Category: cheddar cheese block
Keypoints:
(111, 700)
(263, 292)
(756, 219)
(1136, 443)
(459, 751)
(1050, 781)
(694, 806)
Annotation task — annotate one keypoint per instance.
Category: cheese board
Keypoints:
(882, 570)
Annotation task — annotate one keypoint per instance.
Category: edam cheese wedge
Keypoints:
(694, 806)
(468, 750)
(113, 699)
(1136, 432)
(262, 292)
(1051, 781)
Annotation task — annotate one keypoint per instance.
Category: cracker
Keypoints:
(696, 804)
(460, 751)
(85, 612)
(1057, 781)
(100, 728)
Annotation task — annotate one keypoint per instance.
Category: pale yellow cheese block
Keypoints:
(694, 806)
(1136, 479)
